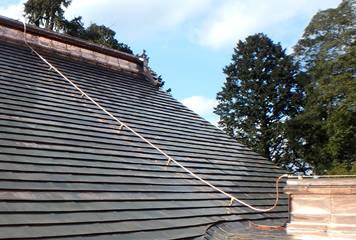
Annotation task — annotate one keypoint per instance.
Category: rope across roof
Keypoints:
(67, 173)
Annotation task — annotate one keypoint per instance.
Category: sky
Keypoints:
(189, 42)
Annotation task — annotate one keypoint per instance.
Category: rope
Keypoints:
(122, 124)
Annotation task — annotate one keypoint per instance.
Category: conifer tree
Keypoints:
(50, 15)
(259, 94)
(46, 13)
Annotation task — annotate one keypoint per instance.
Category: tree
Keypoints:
(50, 14)
(259, 94)
(104, 36)
(326, 129)
(74, 27)
(46, 13)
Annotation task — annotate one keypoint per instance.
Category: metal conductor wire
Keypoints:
(122, 124)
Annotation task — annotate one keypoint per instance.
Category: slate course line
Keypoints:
(122, 124)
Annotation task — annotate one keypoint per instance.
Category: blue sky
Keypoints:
(190, 41)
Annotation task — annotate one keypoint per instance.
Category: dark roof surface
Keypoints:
(66, 173)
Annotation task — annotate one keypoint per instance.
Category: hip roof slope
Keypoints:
(66, 172)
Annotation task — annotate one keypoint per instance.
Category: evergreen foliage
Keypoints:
(303, 119)
(50, 15)
(46, 13)
(259, 94)
(98, 34)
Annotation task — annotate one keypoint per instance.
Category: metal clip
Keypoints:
(120, 128)
(231, 201)
(168, 162)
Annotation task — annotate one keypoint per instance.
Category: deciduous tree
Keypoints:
(326, 130)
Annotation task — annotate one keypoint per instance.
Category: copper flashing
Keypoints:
(323, 204)
(49, 41)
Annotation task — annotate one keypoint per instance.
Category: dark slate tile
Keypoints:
(65, 172)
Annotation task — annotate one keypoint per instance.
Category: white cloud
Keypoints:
(200, 104)
(14, 11)
(233, 20)
(137, 18)
(215, 24)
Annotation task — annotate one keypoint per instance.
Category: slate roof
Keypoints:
(66, 173)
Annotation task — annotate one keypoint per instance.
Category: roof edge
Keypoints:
(42, 39)
(321, 186)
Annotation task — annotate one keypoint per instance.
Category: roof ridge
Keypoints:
(42, 39)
